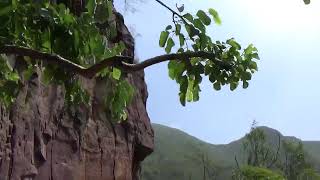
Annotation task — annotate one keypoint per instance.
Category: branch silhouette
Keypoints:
(120, 62)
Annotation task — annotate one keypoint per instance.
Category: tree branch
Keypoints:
(115, 61)
(173, 12)
(237, 163)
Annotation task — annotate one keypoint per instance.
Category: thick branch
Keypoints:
(115, 61)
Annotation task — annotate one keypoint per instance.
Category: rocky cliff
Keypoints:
(42, 139)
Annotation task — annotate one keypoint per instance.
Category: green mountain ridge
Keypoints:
(179, 156)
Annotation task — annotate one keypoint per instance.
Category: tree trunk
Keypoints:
(43, 139)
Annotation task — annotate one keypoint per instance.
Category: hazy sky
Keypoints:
(284, 94)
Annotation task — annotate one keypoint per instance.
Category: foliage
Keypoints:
(295, 165)
(84, 40)
(309, 174)
(177, 155)
(54, 29)
(9, 82)
(259, 151)
(191, 33)
(261, 158)
(257, 173)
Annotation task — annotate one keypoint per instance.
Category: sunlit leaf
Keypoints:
(163, 38)
(116, 73)
(203, 17)
(170, 44)
(215, 16)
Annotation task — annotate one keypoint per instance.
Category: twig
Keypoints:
(173, 12)
(237, 163)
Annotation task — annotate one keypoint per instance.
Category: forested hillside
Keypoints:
(179, 156)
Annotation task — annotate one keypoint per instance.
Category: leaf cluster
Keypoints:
(191, 33)
(257, 173)
(53, 28)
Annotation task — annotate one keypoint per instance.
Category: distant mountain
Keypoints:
(179, 156)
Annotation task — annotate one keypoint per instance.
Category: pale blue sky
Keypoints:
(284, 94)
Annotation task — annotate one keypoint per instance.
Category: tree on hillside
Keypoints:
(288, 161)
(64, 43)
(259, 152)
(261, 157)
(209, 171)
(294, 162)
(256, 173)
(295, 165)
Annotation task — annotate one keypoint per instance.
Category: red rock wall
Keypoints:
(42, 139)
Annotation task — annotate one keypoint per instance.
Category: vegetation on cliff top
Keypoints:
(62, 41)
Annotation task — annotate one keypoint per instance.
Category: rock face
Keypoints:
(42, 139)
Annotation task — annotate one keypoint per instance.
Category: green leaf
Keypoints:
(28, 72)
(217, 86)
(192, 31)
(181, 8)
(163, 38)
(109, 5)
(90, 6)
(189, 94)
(215, 16)
(178, 29)
(5, 10)
(13, 76)
(188, 16)
(245, 85)
(253, 65)
(194, 61)
(203, 40)
(250, 49)
(121, 98)
(255, 56)
(233, 43)
(101, 12)
(198, 24)
(170, 44)
(168, 27)
(246, 76)
(306, 1)
(181, 40)
(176, 69)
(203, 17)
(240, 68)
(116, 73)
(182, 98)
(233, 85)
(171, 67)
(14, 4)
(196, 91)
